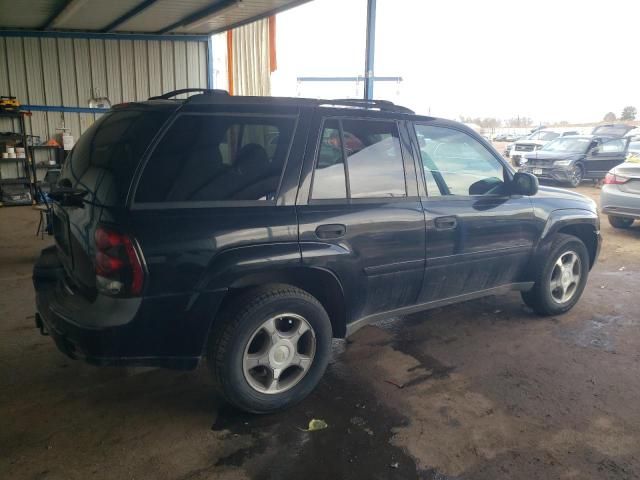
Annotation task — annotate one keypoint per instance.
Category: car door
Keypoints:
(359, 213)
(608, 153)
(478, 236)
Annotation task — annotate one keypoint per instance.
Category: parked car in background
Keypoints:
(613, 129)
(620, 195)
(533, 142)
(633, 151)
(574, 158)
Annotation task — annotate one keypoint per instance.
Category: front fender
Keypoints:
(582, 223)
(568, 216)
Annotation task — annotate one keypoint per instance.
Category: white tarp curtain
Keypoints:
(251, 71)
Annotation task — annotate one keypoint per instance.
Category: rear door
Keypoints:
(610, 153)
(479, 236)
(359, 212)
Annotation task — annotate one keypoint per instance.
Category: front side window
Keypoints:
(372, 155)
(218, 158)
(457, 164)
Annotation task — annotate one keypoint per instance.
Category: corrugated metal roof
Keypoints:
(194, 17)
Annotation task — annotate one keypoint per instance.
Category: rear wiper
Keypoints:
(69, 197)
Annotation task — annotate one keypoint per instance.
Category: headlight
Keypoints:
(562, 163)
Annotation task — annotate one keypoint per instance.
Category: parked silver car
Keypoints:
(620, 196)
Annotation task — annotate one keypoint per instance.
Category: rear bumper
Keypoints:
(159, 331)
(617, 203)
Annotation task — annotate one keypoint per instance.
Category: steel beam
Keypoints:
(126, 16)
(370, 50)
(199, 15)
(103, 36)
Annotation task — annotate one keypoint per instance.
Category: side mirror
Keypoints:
(524, 184)
(595, 151)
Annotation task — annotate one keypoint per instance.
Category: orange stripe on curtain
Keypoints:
(230, 60)
(273, 59)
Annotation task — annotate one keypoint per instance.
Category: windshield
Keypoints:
(544, 136)
(568, 144)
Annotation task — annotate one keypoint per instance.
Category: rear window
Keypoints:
(218, 157)
(105, 157)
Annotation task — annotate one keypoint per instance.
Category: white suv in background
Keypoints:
(534, 142)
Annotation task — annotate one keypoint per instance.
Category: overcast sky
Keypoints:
(551, 60)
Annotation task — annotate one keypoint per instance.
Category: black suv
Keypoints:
(574, 158)
(253, 230)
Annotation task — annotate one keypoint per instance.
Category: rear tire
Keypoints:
(560, 281)
(620, 222)
(270, 348)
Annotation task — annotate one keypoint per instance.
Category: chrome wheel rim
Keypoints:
(279, 353)
(576, 175)
(565, 277)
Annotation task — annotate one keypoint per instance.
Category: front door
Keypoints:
(478, 236)
(360, 215)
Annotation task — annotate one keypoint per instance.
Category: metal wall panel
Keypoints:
(68, 72)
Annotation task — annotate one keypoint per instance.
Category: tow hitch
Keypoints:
(40, 326)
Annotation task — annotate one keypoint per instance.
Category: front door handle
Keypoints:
(446, 223)
(331, 230)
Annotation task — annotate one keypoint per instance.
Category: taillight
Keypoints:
(613, 179)
(119, 270)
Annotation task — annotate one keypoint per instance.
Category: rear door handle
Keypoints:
(446, 223)
(331, 230)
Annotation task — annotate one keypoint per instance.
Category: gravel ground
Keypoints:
(481, 390)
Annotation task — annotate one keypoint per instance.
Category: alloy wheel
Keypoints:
(279, 353)
(565, 277)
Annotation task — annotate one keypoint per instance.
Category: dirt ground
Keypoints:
(481, 390)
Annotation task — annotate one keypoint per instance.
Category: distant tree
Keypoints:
(628, 113)
(610, 117)
(519, 122)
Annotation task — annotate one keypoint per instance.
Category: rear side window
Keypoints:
(106, 156)
(217, 158)
(372, 155)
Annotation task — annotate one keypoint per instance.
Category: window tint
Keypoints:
(374, 159)
(106, 155)
(613, 146)
(217, 157)
(329, 177)
(457, 163)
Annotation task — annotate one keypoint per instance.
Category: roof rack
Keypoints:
(382, 105)
(175, 93)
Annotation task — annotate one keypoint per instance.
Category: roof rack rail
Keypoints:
(175, 93)
(382, 105)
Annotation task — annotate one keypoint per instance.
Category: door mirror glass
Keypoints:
(524, 184)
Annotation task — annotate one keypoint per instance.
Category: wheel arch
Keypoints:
(320, 283)
(583, 224)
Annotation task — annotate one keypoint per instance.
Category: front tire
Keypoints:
(270, 348)
(620, 222)
(576, 176)
(560, 281)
